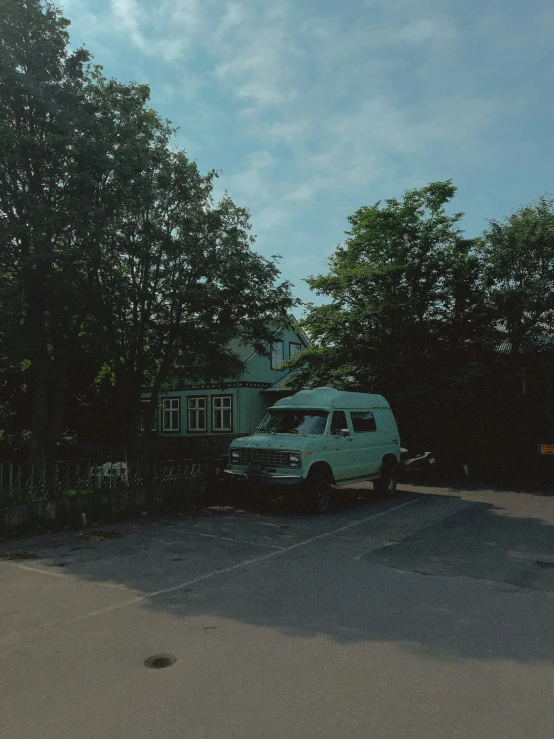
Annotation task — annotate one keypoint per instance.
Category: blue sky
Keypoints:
(312, 109)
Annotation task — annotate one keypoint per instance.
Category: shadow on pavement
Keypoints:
(445, 576)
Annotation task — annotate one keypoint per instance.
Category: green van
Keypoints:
(318, 438)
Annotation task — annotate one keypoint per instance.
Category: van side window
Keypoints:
(363, 421)
(338, 422)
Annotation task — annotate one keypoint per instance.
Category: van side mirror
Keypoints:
(345, 432)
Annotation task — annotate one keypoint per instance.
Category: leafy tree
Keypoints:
(518, 259)
(403, 288)
(186, 282)
(67, 141)
(406, 316)
(47, 185)
(456, 332)
(115, 268)
(518, 255)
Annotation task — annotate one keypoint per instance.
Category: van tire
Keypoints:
(318, 493)
(386, 484)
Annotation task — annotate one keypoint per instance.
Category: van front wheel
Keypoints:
(318, 493)
(386, 484)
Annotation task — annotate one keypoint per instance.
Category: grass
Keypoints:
(20, 495)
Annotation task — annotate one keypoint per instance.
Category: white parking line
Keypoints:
(238, 566)
(224, 538)
(146, 596)
(42, 572)
(69, 577)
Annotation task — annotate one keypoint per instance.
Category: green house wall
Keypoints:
(249, 402)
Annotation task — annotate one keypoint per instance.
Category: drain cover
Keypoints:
(160, 660)
(539, 563)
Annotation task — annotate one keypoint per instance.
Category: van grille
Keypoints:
(265, 457)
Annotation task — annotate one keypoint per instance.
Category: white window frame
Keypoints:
(194, 408)
(277, 349)
(297, 348)
(155, 426)
(170, 406)
(221, 404)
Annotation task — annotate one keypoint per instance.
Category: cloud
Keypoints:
(302, 260)
(353, 118)
(257, 55)
(310, 107)
(287, 132)
(164, 31)
(425, 30)
(337, 105)
(305, 192)
(128, 13)
(250, 182)
(233, 18)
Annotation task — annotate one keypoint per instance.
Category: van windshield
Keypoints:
(289, 421)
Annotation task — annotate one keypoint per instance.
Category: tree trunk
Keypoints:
(129, 416)
(38, 444)
(48, 410)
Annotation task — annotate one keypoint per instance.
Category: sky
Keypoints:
(313, 109)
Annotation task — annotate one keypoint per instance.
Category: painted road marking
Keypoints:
(223, 538)
(238, 566)
(203, 578)
(70, 577)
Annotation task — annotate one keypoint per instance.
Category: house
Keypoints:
(202, 420)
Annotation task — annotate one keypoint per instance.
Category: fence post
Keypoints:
(11, 480)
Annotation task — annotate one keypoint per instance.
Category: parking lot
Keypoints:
(427, 614)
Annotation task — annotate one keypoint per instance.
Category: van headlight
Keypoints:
(294, 459)
(235, 456)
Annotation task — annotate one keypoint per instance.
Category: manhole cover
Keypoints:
(540, 563)
(160, 660)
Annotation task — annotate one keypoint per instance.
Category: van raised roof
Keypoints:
(327, 397)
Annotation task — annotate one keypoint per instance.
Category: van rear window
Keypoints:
(363, 421)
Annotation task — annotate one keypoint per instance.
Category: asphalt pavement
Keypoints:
(427, 615)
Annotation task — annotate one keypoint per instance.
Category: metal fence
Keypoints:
(25, 483)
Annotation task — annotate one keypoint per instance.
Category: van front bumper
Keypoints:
(264, 478)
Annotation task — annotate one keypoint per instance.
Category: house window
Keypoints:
(293, 348)
(171, 412)
(147, 413)
(221, 413)
(363, 421)
(277, 354)
(197, 414)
